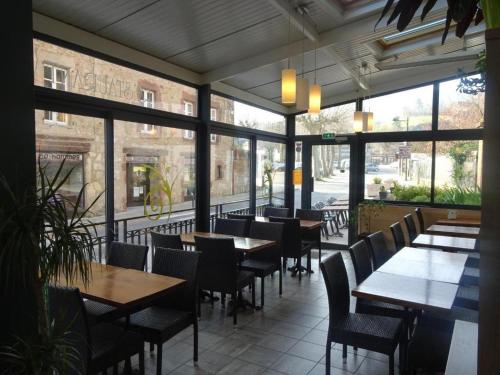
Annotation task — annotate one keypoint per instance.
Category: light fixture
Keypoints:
(358, 122)
(369, 121)
(315, 92)
(288, 76)
(302, 102)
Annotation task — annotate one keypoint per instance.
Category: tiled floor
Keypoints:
(287, 337)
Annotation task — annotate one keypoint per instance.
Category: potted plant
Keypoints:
(45, 238)
(374, 187)
(382, 193)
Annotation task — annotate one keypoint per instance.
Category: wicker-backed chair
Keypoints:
(123, 255)
(398, 235)
(248, 219)
(231, 227)
(380, 251)
(99, 347)
(265, 263)
(313, 236)
(293, 247)
(376, 333)
(411, 227)
(166, 241)
(218, 271)
(420, 217)
(176, 311)
(277, 212)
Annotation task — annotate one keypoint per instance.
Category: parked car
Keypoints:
(371, 168)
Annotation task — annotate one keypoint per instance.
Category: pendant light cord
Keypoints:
(289, 30)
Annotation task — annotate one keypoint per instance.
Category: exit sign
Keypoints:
(328, 136)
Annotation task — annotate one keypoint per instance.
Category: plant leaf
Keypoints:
(427, 8)
(465, 22)
(387, 7)
(408, 13)
(446, 26)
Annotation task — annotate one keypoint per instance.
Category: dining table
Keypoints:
(453, 230)
(244, 244)
(462, 357)
(446, 243)
(304, 224)
(463, 222)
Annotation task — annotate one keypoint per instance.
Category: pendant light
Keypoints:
(288, 76)
(358, 122)
(315, 91)
(302, 83)
(369, 114)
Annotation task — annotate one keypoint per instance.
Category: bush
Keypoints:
(377, 180)
(457, 195)
(411, 193)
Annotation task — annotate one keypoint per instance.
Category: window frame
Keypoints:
(148, 128)
(54, 68)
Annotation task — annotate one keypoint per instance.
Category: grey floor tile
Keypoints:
(316, 336)
(260, 355)
(277, 342)
(351, 363)
(212, 362)
(320, 369)
(307, 350)
(374, 367)
(231, 346)
(242, 368)
(293, 365)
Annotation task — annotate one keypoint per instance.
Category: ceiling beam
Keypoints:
(430, 60)
(358, 79)
(333, 9)
(364, 10)
(297, 20)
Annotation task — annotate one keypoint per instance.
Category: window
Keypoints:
(458, 172)
(459, 110)
(398, 171)
(236, 113)
(213, 114)
(188, 134)
(148, 101)
(188, 108)
(270, 177)
(297, 176)
(219, 175)
(408, 110)
(189, 181)
(213, 138)
(338, 119)
(55, 78)
(87, 75)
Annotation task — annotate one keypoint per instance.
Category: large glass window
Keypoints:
(270, 177)
(236, 113)
(64, 69)
(297, 176)
(399, 171)
(459, 110)
(229, 174)
(402, 111)
(458, 172)
(338, 119)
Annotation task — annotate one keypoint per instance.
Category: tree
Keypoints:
(460, 152)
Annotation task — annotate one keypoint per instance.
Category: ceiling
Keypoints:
(245, 44)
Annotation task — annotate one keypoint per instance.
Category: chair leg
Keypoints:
(281, 281)
(391, 364)
(262, 292)
(223, 299)
(195, 340)
(253, 293)
(151, 347)
(234, 296)
(284, 264)
(344, 352)
(212, 298)
(319, 250)
(199, 304)
(128, 366)
(299, 266)
(141, 361)
(159, 359)
(328, 356)
(309, 263)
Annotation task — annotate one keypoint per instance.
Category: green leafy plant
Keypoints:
(55, 242)
(160, 194)
(458, 195)
(377, 180)
(474, 85)
(382, 189)
(410, 193)
(364, 213)
(460, 152)
(268, 181)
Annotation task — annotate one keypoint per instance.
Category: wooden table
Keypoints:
(462, 359)
(411, 292)
(245, 244)
(446, 243)
(304, 224)
(453, 231)
(124, 288)
(336, 207)
(426, 264)
(460, 222)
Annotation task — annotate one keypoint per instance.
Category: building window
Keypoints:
(213, 114)
(213, 138)
(55, 78)
(188, 109)
(148, 101)
(188, 134)
(218, 172)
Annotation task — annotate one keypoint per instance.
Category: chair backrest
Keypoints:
(379, 249)
(183, 265)
(167, 241)
(248, 219)
(420, 217)
(360, 255)
(337, 285)
(127, 255)
(271, 232)
(398, 235)
(67, 311)
(411, 227)
(218, 270)
(292, 238)
(276, 212)
(232, 227)
(315, 215)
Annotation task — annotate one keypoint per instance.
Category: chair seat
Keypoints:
(244, 278)
(365, 306)
(111, 344)
(98, 312)
(259, 267)
(160, 323)
(371, 332)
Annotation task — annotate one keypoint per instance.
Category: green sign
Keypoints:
(328, 136)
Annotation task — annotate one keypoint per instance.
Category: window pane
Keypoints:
(87, 75)
(229, 174)
(458, 110)
(398, 171)
(297, 176)
(402, 111)
(81, 145)
(235, 113)
(338, 119)
(270, 177)
(458, 172)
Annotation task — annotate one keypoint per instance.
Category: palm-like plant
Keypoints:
(45, 239)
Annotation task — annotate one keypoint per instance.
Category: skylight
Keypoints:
(413, 30)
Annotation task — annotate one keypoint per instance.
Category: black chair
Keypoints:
(293, 247)
(266, 262)
(277, 212)
(99, 347)
(371, 332)
(166, 241)
(218, 271)
(231, 227)
(248, 219)
(176, 311)
(398, 235)
(312, 236)
(123, 255)
(420, 217)
(380, 251)
(411, 227)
